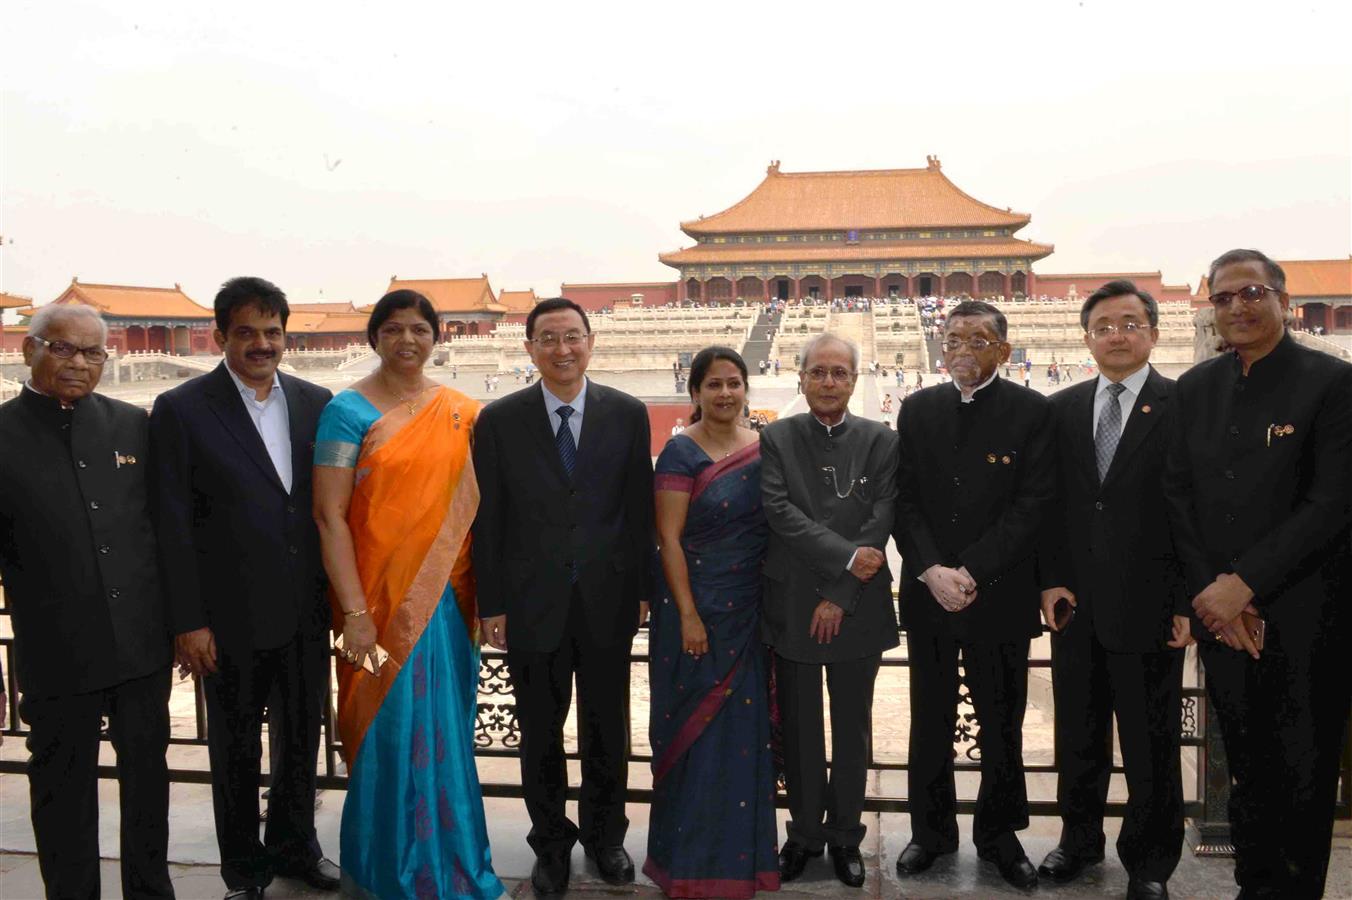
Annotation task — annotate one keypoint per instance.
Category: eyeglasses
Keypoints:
(95, 356)
(1130, 329)
(977, 344)
(819, 374)
(549, 340)
(1249, 294)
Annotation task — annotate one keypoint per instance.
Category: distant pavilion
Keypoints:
(155, 319)
(464, 305)
(828, 235)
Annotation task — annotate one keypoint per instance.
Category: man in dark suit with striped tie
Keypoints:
(562, 546)
(1108, 561)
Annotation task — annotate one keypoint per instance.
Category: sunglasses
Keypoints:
(1249, 295)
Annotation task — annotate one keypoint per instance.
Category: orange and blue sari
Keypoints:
(711, 831)
(413, 822)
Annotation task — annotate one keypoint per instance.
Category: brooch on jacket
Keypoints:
(119, 460)
(1279, 431)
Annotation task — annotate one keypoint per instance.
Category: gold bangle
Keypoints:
(354, 614)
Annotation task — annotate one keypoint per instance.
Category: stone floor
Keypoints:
(193, 851)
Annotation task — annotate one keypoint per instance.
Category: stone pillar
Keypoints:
(943, 285)
(798, 289)
(765, 283)
(1009, 285)
(681, 290)
(877, 288)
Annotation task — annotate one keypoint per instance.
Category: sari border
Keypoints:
(737, 461)
(694, 726)
(729, 888)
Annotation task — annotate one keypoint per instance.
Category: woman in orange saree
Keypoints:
(395, 495)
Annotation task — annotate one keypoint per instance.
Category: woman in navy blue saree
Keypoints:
(712, 827)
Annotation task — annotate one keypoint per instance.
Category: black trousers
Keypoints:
(997, 677)
(63, 786)
(1091, 684)
(826, 810)
(1283, 718)
(543, 686)
(294, 677)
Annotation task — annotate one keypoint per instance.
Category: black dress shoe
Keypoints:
(1014, 868)
(1140, 889)
(550, 875)
(322, 875)
(915, 859)
(249, 893)
(793, 858)
(1061, 865)
(613, 863)
(849, 865)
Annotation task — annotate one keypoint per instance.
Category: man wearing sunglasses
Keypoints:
(77, 555)
(1259, 480)
(975, 475)
(1113, 596)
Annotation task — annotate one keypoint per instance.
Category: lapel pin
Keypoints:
(456, 423)
(1279, 431)
(990, 457)
(120, 460)
(1005, 460)
(1146, 409)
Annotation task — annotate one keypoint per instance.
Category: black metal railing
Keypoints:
(497, 734)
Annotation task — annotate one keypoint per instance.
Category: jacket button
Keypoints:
(1234, 429)
(1230, 518)
(572, 492)
(292, 550)
(104, 548)
(291, 507)
(1229, 473)
(957, 480)
(82, 464)
(114, 593)
(93, 504)
(1098, 504)
(1239, 386)
(955, 517)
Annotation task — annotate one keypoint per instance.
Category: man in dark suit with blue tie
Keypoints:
(1111, 586)
(232, 452)
(562, 548)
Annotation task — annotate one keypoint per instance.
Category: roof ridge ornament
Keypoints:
(773, 168)
(932, 163)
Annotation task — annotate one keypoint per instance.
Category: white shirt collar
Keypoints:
(844, 414)
(248, 392)
(553, 403)
(965, 398)
(1133, 382)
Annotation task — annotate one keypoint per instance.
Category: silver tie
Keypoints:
(1109, 430)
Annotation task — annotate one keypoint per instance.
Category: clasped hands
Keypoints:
(954, 589)
(827, 616)
(1219, 605)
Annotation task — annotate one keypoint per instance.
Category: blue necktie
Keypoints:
(563, 439)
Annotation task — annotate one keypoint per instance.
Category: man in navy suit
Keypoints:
(239, 552)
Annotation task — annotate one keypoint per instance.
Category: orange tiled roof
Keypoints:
(131, 302)
(14, 301)
(716, 254)
(882, 198)
(1096, 276)
(518, 301)
(305, 322)
(1318, 277)
(1304, 278)
(450, 295)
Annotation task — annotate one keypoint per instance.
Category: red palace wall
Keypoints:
(661, 416)
(599, 296)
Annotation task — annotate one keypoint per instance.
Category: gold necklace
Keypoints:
(407, 401)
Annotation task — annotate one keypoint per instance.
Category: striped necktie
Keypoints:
(1109, 430)
(563, 439)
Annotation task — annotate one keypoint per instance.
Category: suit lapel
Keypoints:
(537, 421)
(593, 425)
(1082, 432)
(302, 457)
(228, 406)
(1144, 414)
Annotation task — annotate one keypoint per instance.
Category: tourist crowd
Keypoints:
(253, 514)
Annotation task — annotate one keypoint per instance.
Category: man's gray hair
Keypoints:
(827, 337)
(48, 315)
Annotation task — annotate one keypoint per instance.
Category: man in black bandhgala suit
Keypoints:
(77, 555)
(976, 473)
(1259, 481)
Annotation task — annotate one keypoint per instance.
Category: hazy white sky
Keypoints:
(153, 143)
